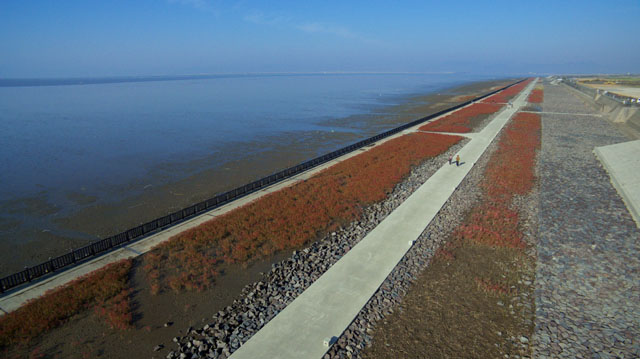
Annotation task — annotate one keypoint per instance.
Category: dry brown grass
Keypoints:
(448, 314)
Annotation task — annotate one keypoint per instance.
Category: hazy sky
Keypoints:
(58, 38)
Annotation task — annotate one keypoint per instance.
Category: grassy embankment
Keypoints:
(469, 301)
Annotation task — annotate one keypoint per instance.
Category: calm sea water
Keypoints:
(56, 139)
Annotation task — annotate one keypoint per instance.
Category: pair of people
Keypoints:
(457, 160)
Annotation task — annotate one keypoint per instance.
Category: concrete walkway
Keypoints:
(622, 162)
(331, 303)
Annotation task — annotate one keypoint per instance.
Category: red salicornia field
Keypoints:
(106, 290)
(465, 119)
(291, 217)
(510, 172)
(508, 94)
(462, 120)
(536, 96)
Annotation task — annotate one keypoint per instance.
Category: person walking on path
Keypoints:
(450, 160)
(457, 160)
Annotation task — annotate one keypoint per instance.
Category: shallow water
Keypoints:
(71, 150)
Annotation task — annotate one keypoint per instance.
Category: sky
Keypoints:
(90, 38)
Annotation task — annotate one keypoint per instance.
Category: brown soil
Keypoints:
(448, 314)
(86, 335)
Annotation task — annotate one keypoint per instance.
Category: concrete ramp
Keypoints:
(622, 162)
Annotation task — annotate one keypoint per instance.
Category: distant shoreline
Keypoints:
(32, 82)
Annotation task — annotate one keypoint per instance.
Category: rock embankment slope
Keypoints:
(261, 301)
(587, 287)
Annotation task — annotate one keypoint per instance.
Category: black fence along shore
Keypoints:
(106, 245)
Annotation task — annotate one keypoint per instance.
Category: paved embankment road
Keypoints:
(587, 283)
(328, 306)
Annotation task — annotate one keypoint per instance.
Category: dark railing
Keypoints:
(100, 247)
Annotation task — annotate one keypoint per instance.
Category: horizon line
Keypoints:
(76, 80)
(230, 74)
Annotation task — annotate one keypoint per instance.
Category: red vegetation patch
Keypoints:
(461, 121)
(510, 172)
(447, 252)
(506, 95)
(444, 254)
(492, 225)
(108, 287)
(511, 168)
(291, 217)
(117, 310)
(536, 96)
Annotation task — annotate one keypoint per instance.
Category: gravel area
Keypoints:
(263, 300)
(587, 282)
